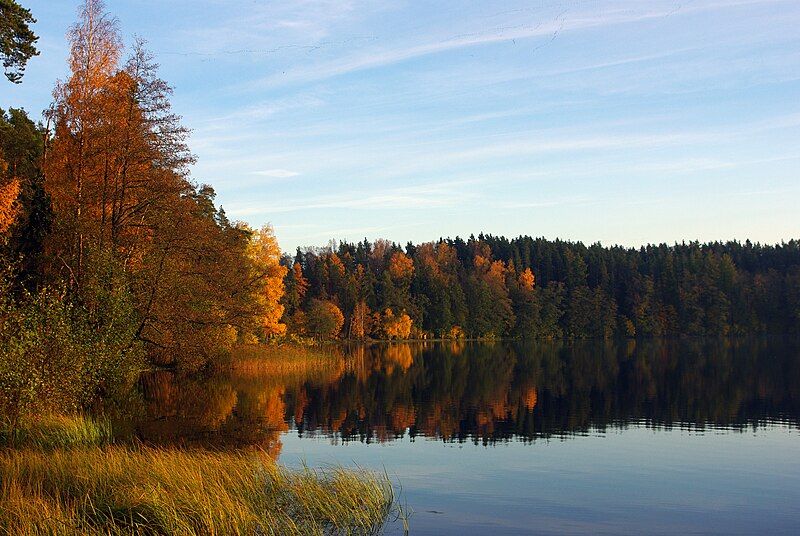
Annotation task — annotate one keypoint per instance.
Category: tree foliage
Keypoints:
(9, 193)
(495, 287)
(324, 319)
(17, 40)
(107, 243)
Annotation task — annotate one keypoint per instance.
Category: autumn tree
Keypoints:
(527, 280)
(199, 288)
(117, 170)
(396, 326)
(360, 321)
(268, 275)
(77, 165)
(324, 319)
(9, 193)
(437, 278)
(396, 282)
(491, 312)
(526, 304)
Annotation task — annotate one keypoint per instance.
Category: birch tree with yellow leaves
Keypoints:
(265, 253)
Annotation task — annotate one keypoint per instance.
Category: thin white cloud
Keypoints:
(512, 205)
(276, 173)
(561, 22)
(253, 27)
(428, 196)
(260, 111)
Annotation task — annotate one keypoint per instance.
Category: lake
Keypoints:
(658, 437)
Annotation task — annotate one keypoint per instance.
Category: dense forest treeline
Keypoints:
(490, 286)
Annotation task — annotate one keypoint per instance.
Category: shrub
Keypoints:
(59, 358)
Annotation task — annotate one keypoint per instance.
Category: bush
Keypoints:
(60, 358)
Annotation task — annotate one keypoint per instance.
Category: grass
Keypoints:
(138, 490)
(57, 431)
(287, 362)
(64, 475)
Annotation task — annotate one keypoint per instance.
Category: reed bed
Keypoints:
(57, 431)
(116, 490)
(287, 362)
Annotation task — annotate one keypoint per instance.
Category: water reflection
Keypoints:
(483, 393)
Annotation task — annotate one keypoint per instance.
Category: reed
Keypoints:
(57, 431)
(287, 362)
(139, 490)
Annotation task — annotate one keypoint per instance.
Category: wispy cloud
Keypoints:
(261, 110)
(427, 196)
(256, 27)
(515, 205)
(559, 21)
(276, 173)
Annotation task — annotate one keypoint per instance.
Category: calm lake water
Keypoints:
(657, 437)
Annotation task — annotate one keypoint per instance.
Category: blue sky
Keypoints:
(627, 122)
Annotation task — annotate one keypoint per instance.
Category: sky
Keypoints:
(621, 121)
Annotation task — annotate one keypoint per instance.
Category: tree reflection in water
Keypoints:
(484, 392)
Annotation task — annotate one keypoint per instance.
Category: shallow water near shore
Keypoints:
(659, 437)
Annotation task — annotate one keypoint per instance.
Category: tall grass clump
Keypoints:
(122, 490)
(57, 431)
(286, 361)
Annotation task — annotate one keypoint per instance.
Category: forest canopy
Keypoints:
(490, 286)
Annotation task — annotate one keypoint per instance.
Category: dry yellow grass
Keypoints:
(122, 490)
(55, 431)
(287, 362)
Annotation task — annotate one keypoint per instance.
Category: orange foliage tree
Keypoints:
(117, 170)
(401, 267)
(360, 320)
(396, 326)
(324, 319)
(526, 279)
(268, 273)
(8, 204)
